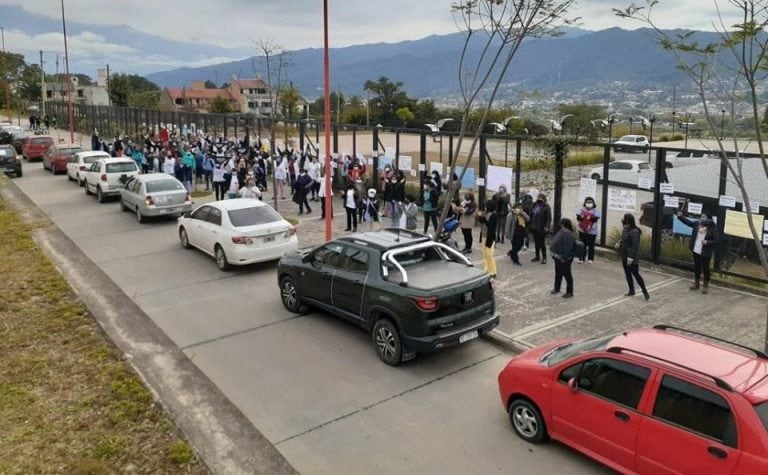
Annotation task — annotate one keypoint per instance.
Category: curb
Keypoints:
(224, 439)
(504, 341)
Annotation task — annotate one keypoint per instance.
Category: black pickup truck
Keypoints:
(412, 294)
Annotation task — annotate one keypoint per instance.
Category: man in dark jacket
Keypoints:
(562, 254)
(301, 189)
(703, 245)
(541, 219)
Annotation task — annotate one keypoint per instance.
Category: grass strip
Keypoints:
(68, 401)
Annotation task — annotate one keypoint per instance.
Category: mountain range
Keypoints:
(428, 67)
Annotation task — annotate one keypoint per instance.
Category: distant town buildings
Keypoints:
(92, 95)
(247, 96)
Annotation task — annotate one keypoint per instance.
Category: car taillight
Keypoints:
(188, 198)
(149, 201)
(289, 232)
(492, 285)
(428, 304)
(103, 177)
(82, 168)
(242, 240)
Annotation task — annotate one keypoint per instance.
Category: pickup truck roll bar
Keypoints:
(390, 256)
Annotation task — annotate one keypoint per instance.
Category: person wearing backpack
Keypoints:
(587, 218)
(562, 253)
(629, 250)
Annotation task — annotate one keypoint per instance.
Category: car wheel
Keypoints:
(79, 181)
(183, 238)
(386, 340)
(221, 258)
(139, 216)
(527, 421)
(69, 177)
(19, 173)
(290, 296)
(87, 190)
(122, 205)
(99, 195)
(595, 176)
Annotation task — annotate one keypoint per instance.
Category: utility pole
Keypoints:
(42, 83)
(69, 80)
(5, 74)
(109, 98)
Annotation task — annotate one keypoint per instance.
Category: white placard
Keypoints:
(754, 208)
(645, 183)
(621, 199)
(404, 162)
(587, 188)
(695, 208)
(765, 226)
(667, 188)
(422, 167)
(413, 172)
(727, 201)
(436, 167)
(671, 202)
(480, 181)
(765, 239)
(497, 176)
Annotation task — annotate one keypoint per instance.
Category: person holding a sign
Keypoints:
(703, 245)
(587, 218)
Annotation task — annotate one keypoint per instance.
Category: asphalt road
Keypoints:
(311, 384)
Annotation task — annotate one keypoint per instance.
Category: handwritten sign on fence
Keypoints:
(620, 199)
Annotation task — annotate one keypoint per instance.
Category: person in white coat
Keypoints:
(322, 194)
(281, 173)
(313, 170)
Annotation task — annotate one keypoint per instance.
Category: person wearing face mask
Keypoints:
(703, 244)
(541, 219)
(562, 254)
(587, 218)
(169, 164)
(516, 229)
(629, 250)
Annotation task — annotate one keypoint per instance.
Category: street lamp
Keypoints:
(68, 80)
(436, 135)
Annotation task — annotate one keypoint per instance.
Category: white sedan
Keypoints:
(627, 171)
(79, 162)
(238, 232)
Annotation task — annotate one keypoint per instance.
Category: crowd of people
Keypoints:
(36, 123)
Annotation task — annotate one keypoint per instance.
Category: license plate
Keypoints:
(161, 199)
(467, 297)
(269, 239)
(468, 336)
(168, 210)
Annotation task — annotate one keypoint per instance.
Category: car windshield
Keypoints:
(627, 138)
(121, 167)
(163, 185)
(644, 166)
(253, 216)
(43, 141)
(762, 412)
(568, 350)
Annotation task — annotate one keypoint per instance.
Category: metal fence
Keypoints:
(556, 168)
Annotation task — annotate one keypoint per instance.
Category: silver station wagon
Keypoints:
(156, 194)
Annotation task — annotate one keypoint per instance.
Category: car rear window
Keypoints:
(762, 412)
(163, 185)
(121, 167)
(7, 151)
(93, 158)
(409, 259)
(42, 141)
(644, 166)
(70, 151)
(253, 216)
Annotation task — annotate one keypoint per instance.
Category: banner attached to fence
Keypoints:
(587, 189)
(469, 177)
(497, 176)
(620, 199)
(737, 224)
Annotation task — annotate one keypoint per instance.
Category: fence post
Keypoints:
(518, 167)
(376, 181)
(604, 220)
(559, 167)
(335, 138)
(721, 216)
(658, 203)
(302, 131)
(482, 171)
(423, 158)
(354, 141)
(397, 150)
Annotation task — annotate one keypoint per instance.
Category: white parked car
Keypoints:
(106, 176)
(80, 162)
(632, 143)
(156, 194)
(627, 171)
(237, 232)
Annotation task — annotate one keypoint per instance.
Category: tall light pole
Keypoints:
(42, 83)
(68, 79)
(6, 75)
(327, 120)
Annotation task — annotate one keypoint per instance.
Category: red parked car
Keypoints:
(35, 146)
(56, 158)
(654, 401)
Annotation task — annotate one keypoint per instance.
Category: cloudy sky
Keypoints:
(142, 36)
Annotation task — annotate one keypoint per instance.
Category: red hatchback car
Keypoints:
(56, 158)
(655, 401)
(35, 146)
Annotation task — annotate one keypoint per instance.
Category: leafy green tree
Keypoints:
(580, 116)
(220, 105)
(125, 88)
(288, 98)
(405, 115)
(387, 98)
(209, 84)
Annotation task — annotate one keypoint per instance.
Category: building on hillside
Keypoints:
(196, 98)
(94, 95)
(252, 96)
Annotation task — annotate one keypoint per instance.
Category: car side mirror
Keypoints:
(308, 258)
(573, 384)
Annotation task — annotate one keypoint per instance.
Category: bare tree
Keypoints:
(721, 72)
(275, 62)
(499, 28)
